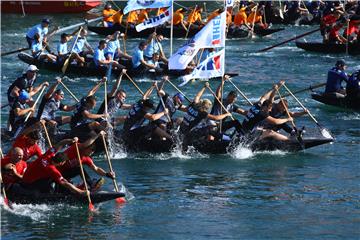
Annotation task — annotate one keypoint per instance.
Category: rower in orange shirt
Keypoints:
(241, 18)
(214, 14)
(118, 17)
(195, 16)
(108, 14)
(142, 16)
(133, 18)
(160, 11)
(256, 18)
(229, 16)
(178, 18)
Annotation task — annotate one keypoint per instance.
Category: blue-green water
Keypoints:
(241, 195)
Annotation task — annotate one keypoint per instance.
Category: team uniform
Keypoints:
(353, 86)
(99, 56)
(29, 149)
(230, 107)
(334, 80)
(78, 121)
(48, 108)
(21, 83)
(37, 29)
(136, 60)
(170, 105)
(63, 51)
(253, 118)
(152, 47)
(112, 49)
(8, 177)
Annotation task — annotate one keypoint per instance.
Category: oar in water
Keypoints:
(324, 131)
(241, 93)
(121, 199)
(133, 82)
(6, 200)
(91, 206)
(289, 40)
(46, 133)
(219, 101)
(310, 88)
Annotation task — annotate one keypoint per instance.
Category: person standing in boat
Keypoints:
(13, 167)
(71, 167)
(113, 49)
(83, 121)
(42, 172)
(260, 112)
(353, 87)
(78, 53)
(101, 61)
(134, 130)
(41, 29)
(50, 104)
(139, 65)
(37, 51)
(194, 124)
(115, 101)
(335, 77)
(154, 46)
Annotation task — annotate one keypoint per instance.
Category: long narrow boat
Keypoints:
(178, 32)
(18, 194)
(90, 70)
(333, 100)
(48, 7)
(353, 48)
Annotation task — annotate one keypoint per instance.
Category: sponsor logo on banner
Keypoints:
(157, 18)
(216, 32)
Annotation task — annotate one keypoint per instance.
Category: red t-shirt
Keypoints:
(329, 19)
(29, 150)
(42, 168)
(20, 167)
(73, 161)
(334, 32)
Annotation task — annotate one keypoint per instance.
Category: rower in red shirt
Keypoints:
(13, 167)
(71, 167)
(42, 172)
(29, 144)
(327, 23)
(334, 36)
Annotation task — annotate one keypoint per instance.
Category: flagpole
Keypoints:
(171, 28)
(223, 77)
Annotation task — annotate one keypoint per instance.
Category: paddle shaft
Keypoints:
(177, 89)
(82, 173)
(77, 25)
(162, 102)
(68, 90)
(15, 51)
(241, 93)
(136, 86)
(289, 40)
(303, 90)
(308, 112)
(286, 109)
(219, 101)
(67, 61)
(109, 162)
(47, 134)
(36, 101)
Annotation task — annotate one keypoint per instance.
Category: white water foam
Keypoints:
(242, 152)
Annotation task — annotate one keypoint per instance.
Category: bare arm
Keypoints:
(58, 146)
(64, 183)
(155, 116)
(21, 112)
(90, 115)
(126, 106)
(277, 121)
(52, 89)
(218, 90)
(96, 87)
(199, 94)
(37, 89)
(117, 84)
(148, 92)
(68, 108)
(241, 111)
(218, 117)
(89, 141)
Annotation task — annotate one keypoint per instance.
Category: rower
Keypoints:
(132, 18)
(154, 46)
(25, 82)
(260, 112)
(178, 18)
(71, 167)
(327, 23)
(42, 172)
(62, 47)
(214, 14)
(115, 101)
(19, 111)
(173, 103)
(240, 18)
(100, 60)
(41, 29)
(133, 126)
(13, 167)
(139, 65)
(335, 77)
(353, 86)
(37, 50)
(28, 141)
(229, 21)
(142, 16)
(161, 10)
(229, 104)
(113, 49)
(155, 62)
(335, 36)
(195, 17)
(78, 53)
(83, 121)
(108, 15)
(194, 124)
(50, 104)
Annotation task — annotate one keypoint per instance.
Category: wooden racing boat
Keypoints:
(91, 70)
(335, 100)
(178, 32)
(353, 48)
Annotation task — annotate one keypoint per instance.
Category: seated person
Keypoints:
(139, 64)
(13, 167)
(37, 50)
(335, 77)
(353, 86)
(101, 61)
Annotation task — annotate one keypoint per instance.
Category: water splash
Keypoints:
(242, 151)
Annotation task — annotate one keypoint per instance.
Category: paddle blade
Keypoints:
(91, 207)
(120, 200)
(326, 133)
(66, 64)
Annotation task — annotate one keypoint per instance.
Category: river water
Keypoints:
(312, 194)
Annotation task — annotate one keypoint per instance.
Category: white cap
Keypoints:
(32, 68)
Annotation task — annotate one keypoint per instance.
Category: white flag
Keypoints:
(211, 36)
(155, 21)
(144, 4)
(213, 66)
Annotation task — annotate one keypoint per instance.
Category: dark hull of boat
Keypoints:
(178, 32)
(20, 195)
(98, 71)
(330, 99)
(353, 49)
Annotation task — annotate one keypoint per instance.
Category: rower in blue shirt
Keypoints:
(353, 86)
(139, 65)
(42, 29)
(100, 60)
(113, 49)
(78, 53)
(154, 46)
(335, 77)
(37, 51)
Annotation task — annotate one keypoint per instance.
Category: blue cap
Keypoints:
(24, 95)
(46, 20)
(180, 96)
(340, 62)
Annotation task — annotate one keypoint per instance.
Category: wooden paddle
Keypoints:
(68, 90)
(324, 131)
(14, 51)
(162, 103)
(6, 200)
(310, 88)
(219, 101)
(91, 206)
(133, 82)
(36, 101)
(67, 61)
(177, 89)
(289, 40)
(46, 133)
(241, 93)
